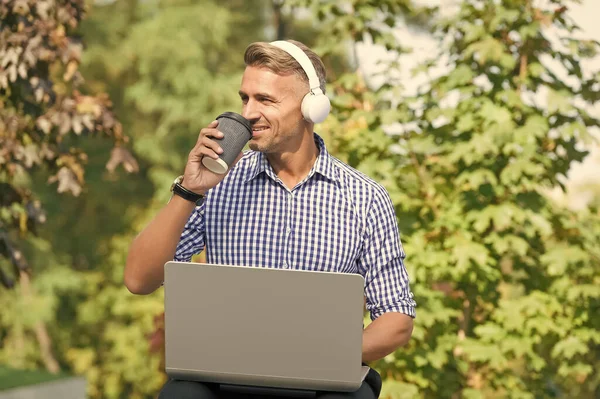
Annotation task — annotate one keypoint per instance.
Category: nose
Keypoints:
(250, 111)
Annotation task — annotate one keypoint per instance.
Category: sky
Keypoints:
(586, 15)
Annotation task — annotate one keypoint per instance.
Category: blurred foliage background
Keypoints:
(101, 101)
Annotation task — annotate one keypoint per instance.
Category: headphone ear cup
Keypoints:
(315, 107)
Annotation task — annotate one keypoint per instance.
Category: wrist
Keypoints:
(182, 203)
(194, 189)
(186, 183)
(178, 189)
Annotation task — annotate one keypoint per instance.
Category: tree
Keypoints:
(44, 116)
(156, 60)
(44, 113)
(506, 281)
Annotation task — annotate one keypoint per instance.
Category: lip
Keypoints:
(259, 132)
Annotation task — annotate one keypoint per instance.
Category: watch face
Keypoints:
(178, 179)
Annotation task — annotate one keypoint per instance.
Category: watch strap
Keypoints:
(186, 194)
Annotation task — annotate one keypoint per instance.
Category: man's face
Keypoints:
(271, 103)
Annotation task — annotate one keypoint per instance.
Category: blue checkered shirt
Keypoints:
(335, 220)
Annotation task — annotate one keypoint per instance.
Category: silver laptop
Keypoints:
(259, 327)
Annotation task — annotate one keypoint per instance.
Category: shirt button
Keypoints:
(288, 230)
(285, 265)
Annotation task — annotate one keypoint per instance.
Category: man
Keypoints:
(287, 203)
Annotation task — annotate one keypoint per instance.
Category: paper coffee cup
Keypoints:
(237, 131)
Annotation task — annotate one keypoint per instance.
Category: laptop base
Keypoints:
(264, 391)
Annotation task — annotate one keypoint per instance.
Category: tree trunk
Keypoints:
(278, 20)
(41, 333)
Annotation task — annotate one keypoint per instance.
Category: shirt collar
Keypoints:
(324, 164)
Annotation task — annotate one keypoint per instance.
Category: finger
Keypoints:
(211, 144)
(205, 138)
(211, 127)
(202, 151)
(211, 132)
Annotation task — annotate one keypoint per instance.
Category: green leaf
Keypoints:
(484, 353)
(464, 252)
(559, 258)
(535, 69)
(568, 348)
(577, 131)
(520, 169)
(473, 180)
(493, 113)
(398, 390)
(470, 393)
(535, 125)
(490, 332)
(488, 49)
(473, 32)
(585, 292)
(465, 123)
(460, 76)
(529, 31)
(558, 101)
(506, 15)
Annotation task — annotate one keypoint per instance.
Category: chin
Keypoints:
(261, 144)
(255, 146)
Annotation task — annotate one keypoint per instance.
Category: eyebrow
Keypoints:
(243, 94)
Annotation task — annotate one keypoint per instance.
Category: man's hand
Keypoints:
(196, 177)
(157, 243)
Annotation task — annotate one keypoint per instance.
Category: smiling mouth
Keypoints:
(258, 130)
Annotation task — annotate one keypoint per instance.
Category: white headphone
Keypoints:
(315, 104)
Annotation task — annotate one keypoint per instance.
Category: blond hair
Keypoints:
(262, 54)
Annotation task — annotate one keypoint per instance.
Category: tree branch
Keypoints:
(424, 179)
(522, 72)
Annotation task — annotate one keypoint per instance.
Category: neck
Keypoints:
(294, 164)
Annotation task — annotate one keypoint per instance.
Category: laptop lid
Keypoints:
(264, 327)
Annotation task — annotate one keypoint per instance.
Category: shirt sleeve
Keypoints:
(193, 236)
(387, 287)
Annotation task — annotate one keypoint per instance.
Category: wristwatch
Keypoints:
(178, 189)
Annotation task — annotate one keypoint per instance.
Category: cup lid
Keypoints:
(237, 117)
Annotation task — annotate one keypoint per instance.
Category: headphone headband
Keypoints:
(315, 105)
(303, 60)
